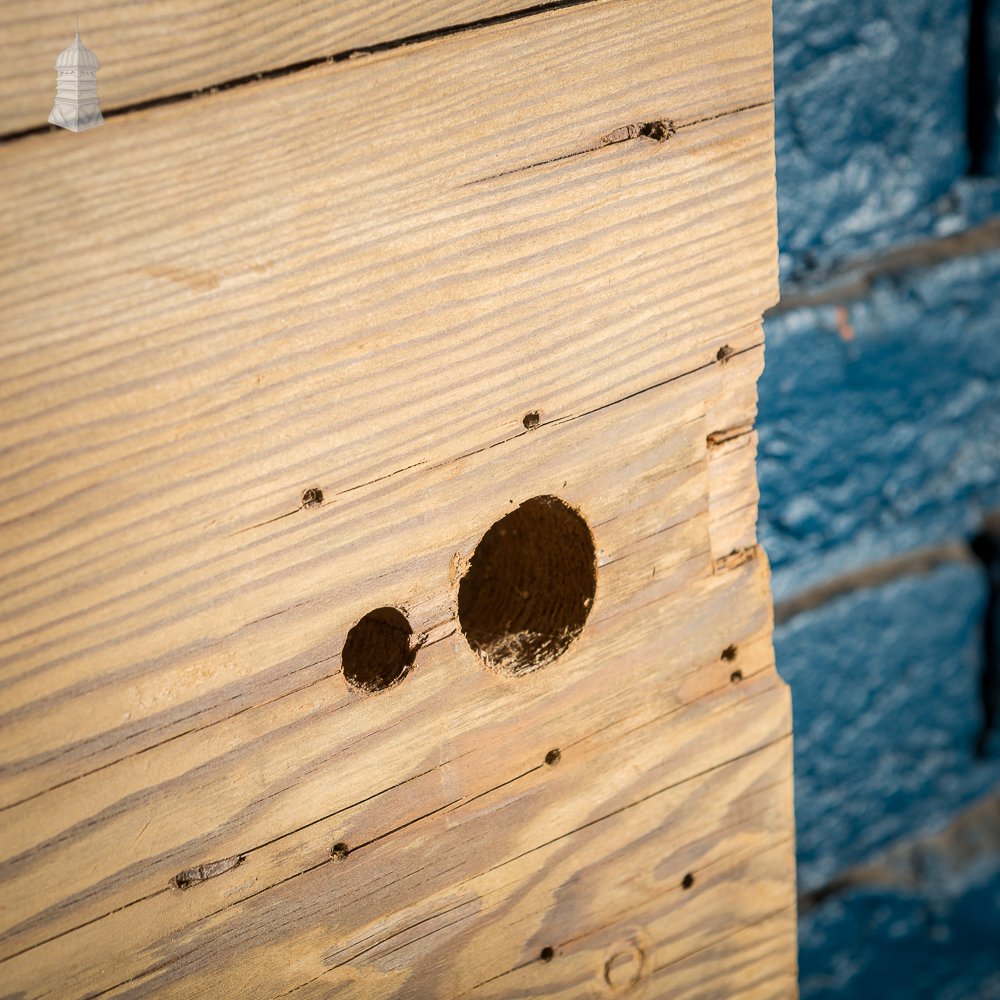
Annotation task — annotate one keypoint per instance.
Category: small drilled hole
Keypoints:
(377, 651)
(531, 420)
(312, 497)
(547, 954)
(736, 676)
(553, 757)
(724, 353)
(529, 587)
(687, 881)
(339, 851)
(729, 654)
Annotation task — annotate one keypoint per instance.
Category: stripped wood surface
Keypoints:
(268, 357)
(162, 49)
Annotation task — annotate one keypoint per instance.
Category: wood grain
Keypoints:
(160, 48)
(274, 290)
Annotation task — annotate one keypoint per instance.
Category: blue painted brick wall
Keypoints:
(879, 422)
(870, 122)
(871, 137)
(885, 686)
(902, 944)
(880, 435)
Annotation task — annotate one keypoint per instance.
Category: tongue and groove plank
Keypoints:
(165, 48)
(359, 277)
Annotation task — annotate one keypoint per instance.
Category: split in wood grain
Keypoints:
(270, 73)
(658, 130)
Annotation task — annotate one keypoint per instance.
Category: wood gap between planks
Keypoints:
(356, 52)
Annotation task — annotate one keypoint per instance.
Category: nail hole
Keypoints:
(553, 757)
(531, 420)
(724, 353)
(687, 881)
(529, 587)
(729, 654)
(339, 851)
(377, 651)
(312, 497)
(547, 954)
(736, 676)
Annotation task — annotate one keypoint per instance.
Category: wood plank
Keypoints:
(256, 387)
(353, 919)
(659, 496)
(158, 403)
(176, 796)
(745, 964)
(160, 48)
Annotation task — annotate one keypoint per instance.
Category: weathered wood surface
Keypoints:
(359, 278)
(164, 48)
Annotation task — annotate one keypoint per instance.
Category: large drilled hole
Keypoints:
(529, 586)
(377, 651)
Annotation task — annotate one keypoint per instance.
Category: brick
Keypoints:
(870, 122)
(880, 944)
(880, 423)
(885, 694)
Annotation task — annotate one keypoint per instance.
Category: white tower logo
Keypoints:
(76, 88)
